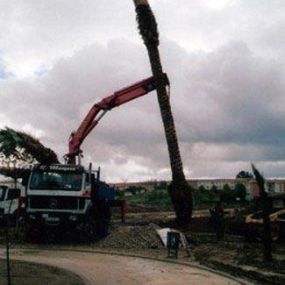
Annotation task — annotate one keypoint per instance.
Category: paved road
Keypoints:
(97, 269)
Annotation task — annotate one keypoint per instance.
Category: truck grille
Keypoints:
(56, 203)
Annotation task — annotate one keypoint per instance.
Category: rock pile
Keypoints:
(132, 237)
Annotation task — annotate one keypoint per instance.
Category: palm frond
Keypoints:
(22, 145)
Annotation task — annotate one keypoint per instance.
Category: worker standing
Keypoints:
(217, 219)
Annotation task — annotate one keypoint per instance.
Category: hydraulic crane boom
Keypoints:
(101, 108)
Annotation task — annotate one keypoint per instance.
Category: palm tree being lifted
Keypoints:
(20, 149)
(179, 190)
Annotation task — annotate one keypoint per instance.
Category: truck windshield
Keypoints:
(44, 180)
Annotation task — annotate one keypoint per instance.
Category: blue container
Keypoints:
(104, 191)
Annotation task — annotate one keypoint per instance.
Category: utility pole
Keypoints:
(8, 246)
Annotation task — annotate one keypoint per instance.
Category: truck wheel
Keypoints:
(89, 230)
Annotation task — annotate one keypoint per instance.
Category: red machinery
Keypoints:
(100, 109)
(79, 192)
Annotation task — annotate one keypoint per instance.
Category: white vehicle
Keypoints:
(57, 194)
(61, 195)
(11, 203)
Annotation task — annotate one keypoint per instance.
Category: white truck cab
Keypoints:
(11, 202)
(58, 194)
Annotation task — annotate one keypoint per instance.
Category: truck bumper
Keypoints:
(55, 219)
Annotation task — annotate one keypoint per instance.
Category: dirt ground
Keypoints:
(138, 237)
(111, 269)
(232, 255)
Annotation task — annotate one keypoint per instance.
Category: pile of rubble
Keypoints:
(132, 237)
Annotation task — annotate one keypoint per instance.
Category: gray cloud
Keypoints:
(227, 98)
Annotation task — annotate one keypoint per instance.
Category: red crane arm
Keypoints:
(101, 108)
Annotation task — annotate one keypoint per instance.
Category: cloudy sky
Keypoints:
(225, 60)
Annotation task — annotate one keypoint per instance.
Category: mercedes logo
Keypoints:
(52, 203)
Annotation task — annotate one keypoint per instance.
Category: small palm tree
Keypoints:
(179, 190)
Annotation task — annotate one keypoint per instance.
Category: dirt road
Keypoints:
(111, 269)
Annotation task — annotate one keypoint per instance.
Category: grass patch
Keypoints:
(159, 199)
(26, 273)
(155, 199)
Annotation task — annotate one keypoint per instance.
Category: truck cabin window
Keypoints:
(45, 180)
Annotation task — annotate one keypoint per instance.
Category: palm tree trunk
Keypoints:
(179, 190)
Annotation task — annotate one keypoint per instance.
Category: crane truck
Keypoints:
(66, 194)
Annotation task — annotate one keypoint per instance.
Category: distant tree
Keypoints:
(120, 194)
(197, 196)
(163, 185)
(160, 185)
(214, 188)
(228, 194)
(244, 174)
(201, 188)
(131, 189)
(240, 191)
(227, 188)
